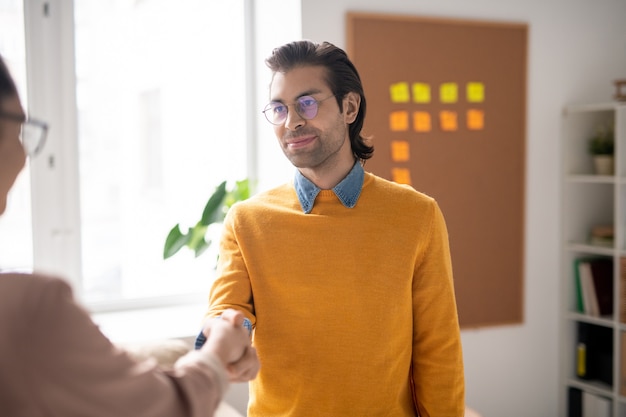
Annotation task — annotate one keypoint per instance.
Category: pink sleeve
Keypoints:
(76, 371)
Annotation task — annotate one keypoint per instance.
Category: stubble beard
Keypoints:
(327, 147)
(321, 155)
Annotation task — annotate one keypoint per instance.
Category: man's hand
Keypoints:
(229, 341)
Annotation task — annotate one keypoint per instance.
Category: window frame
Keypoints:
(49, 42)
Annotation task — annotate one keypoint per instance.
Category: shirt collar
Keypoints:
(348, 190)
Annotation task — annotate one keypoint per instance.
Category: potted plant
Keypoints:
(602, 148)
(214, 212)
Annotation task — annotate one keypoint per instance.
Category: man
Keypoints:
(345, 278)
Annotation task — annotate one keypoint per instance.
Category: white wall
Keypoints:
(576, 49)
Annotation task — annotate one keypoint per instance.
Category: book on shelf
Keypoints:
(594, 286)
(582, 403)
(580, 302)
(622, 361)
(594, 353)
(622, 286)
(602, 274)
(574, 402)
(590, 298)
(602, 236)
(595, 405)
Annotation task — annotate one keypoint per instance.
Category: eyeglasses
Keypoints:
(306, 107)
(33, 134)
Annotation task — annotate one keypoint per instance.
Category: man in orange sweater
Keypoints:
(345, 278)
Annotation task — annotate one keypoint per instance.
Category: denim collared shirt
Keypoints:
(348, 190)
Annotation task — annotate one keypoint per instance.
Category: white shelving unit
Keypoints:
(590, 200)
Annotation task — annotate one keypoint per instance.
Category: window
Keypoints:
(160, 120)
(151, 104)
(159, 87)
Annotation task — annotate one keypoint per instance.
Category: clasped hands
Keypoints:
(230, 342)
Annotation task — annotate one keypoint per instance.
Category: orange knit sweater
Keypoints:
(353, 309)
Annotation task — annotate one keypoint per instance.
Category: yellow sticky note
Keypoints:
(399, 121)
(401, 175)
(421, 93)
(448, 121)
(475, 119)
(399, 92)
(399, 151)
(448, 93)
(475, 92)
(421, 121)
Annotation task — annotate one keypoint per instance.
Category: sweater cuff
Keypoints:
(213, 362)
(201, 338)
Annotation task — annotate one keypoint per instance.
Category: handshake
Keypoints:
(228, 341)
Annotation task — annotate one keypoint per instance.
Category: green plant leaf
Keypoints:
(213, 209)
(603, 141)
(202, 247)
(196, 236)
(174, 242)
(214, 212)
(240, 192)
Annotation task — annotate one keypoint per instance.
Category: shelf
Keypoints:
(591, 179)
(588, 201)
(591, 386)
(589, 249)
(586, 318)
(591, 107)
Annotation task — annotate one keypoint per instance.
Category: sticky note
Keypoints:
(448, 93)
(401, 175)
(399, 121)
(421, 93)
(448, 121)
(421, 121)
(399, 92)
(475, 92)
(475, 119)
(399, 150)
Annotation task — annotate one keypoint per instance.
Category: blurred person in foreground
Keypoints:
(345, 278)
(54, 360)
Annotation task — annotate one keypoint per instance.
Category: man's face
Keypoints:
(318, 143)
(12, 156)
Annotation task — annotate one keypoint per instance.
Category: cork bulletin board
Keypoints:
(446, 111)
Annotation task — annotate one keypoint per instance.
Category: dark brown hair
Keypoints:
(342, 78)
(7, 85)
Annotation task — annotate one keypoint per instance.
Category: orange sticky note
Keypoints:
(421, 121)
(475, 92)
(399, 92)
(448, 93)
(421, 93)
(475, 119)
(399, 151)
(448, 121)
(401, 175)
(399, 121)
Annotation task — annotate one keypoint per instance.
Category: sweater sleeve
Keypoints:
(438, 374)
(76, 371)
(232, 288)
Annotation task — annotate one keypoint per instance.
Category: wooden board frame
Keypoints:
(446, 110)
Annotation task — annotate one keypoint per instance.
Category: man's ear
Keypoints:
(351, 105)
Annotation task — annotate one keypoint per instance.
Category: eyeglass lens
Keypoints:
(32, 137)
(305, 106)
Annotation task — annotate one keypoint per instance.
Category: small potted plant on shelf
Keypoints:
(602, 147)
